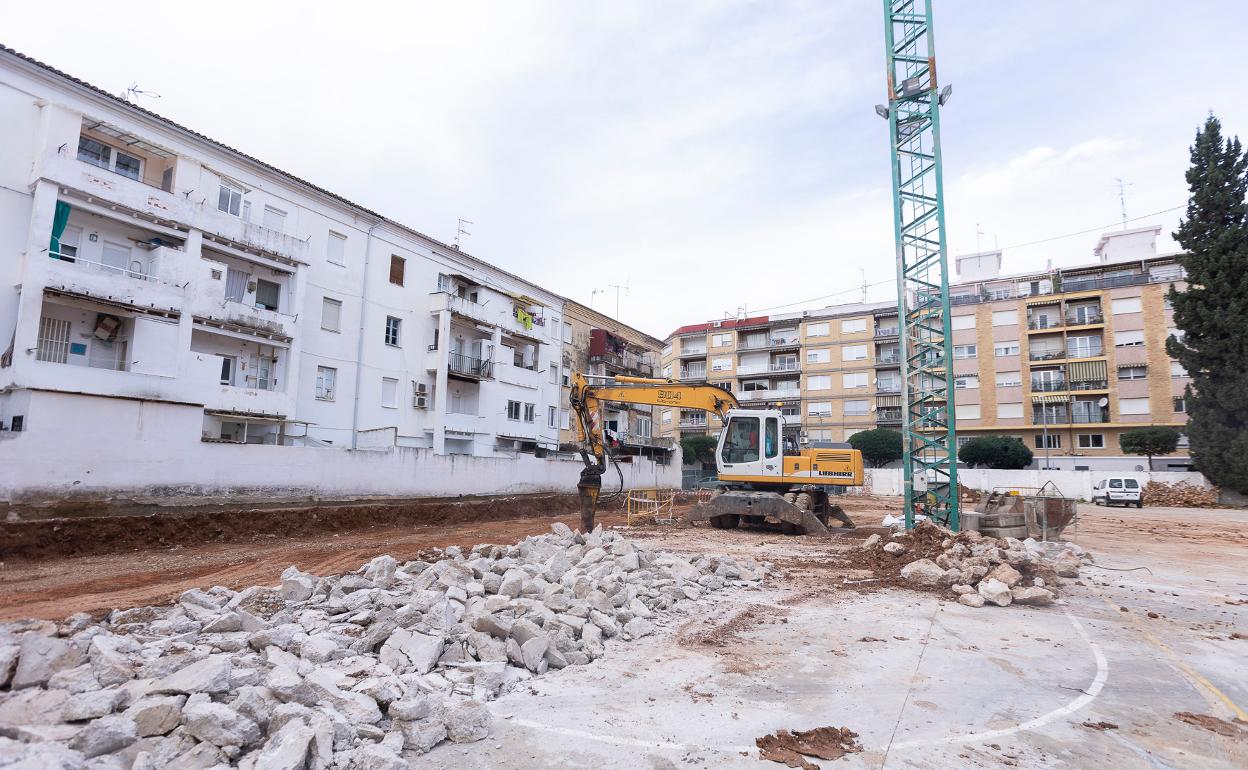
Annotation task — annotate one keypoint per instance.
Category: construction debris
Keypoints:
(365, 670)
(791, 748)
(978, 570)
(1180, 495)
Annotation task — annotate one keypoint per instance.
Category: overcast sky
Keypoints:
(707, 156)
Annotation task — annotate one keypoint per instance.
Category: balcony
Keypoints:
(887, 332)
(655, 442)
(467, 366)
(473, 311)
(692, 352)
(247, 393)
(150, 279)
(1088, 412)
(1051, 355)
(888, 416)
(693, 422)
(1048, 386)
(209, 301)
(888, 360)
(1085, 351)
(1112, 282)
(784, 367)
(768, 395)
(693, 373)
(617, 364)
(233, 229)
(1044, 322)
(1088, 385)
(769, 343)
(888, 387)
(1088, 318)
(1054, 417)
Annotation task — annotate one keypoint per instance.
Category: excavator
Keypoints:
(763, 482)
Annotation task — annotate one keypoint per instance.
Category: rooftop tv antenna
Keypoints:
(1122, 199)
(617, 288)
(461, 230)
(130, 93)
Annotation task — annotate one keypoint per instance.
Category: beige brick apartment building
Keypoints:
(1068, 358)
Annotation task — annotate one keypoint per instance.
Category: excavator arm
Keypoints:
(586, 400)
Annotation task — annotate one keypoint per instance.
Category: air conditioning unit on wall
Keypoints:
(420, 395)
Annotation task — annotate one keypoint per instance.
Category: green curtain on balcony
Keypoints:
(59, 220)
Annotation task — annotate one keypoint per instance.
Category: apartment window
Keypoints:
(819, 382)
(1009, 379)
(964, 440)
(554, 374)
(962, 322)
(336, 248)
(1005, 318)
(1128, 339)
(1133, 406)
(274, 219)
(331, 314)
(965, 351)
(230, 198)
(667, 371)
(1009, 411)
(721, 340)
(393, 325)
(1180, 405)
(70, 241)
(817, 330)
(667, 415)
(966, 411)
(565, 423)
(721, 364)
(968, 382)
(1083, 347)
(1051, 441)
(267, 294)
(854, 326)
(1091, 440)
(390, 392)
(854, 380)
(100, 154)
(819, 409)
(667, 349)
(326, 383)
(1177, 370)
(857, 407)
(529, 411)
(818, 356)
(854, 353)
(567, 335)
(1005, 348)
(552, 414)
(1126, 305)
(397, 265)
(513, 410)
(1133, 372)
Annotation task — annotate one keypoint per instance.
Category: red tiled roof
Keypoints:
(725, 324)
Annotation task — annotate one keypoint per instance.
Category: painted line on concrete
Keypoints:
(1196, 678)
(1093, 690)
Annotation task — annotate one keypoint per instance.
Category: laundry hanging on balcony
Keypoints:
(525, 318)
(59, 220)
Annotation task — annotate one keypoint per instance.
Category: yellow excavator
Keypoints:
(763, 482)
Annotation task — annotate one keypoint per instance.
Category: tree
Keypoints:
(1213, 311)
(1153, 440)
(997, 452)
(879, 447)
(698, 448)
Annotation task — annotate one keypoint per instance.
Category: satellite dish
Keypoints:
(1103, 402)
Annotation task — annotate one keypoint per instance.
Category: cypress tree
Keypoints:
(1213, 311)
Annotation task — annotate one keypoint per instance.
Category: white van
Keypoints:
(1118, 490)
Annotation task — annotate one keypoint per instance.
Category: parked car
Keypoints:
(1118, 490)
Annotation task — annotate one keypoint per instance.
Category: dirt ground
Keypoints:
(1144, 662)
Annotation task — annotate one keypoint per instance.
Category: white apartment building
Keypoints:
(144, 264)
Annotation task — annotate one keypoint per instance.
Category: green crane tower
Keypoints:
(913, 113)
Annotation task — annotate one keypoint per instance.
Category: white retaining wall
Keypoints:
(889, 481)
(153, 450)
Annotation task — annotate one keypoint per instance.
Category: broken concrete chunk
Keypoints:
(871, 542)
(209, 675)
(637, 628)
(410, 651)
(92, 705)
(104, 736)
(533, 653)
(1033, 596)
(893, 548)
(380, 571)
(297, 586)
(156, 714)
(466, 722)
(39, 657)
(995, 591)
(286, 749)
(219, 725)
(971, 600)
(1006, 574)
(923, 572)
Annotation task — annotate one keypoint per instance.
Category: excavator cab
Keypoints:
(751, 443)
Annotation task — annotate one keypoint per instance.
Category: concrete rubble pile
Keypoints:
(363, 671)
(983, 570)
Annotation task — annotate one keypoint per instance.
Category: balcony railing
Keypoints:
(1044, 322)
(1048, 386)
(888, 387)
(1089, 385)
(887, 332)
(693, 374)
(1086, 284)
(474, 367)
(1085, 351)
(888, 415)
(692, 422)
(784, 366)
(1059, 417)
(1051, 355)
(892, 359)
(1084, 319)
(768, 395)
(692, 352)
(1084, 418)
